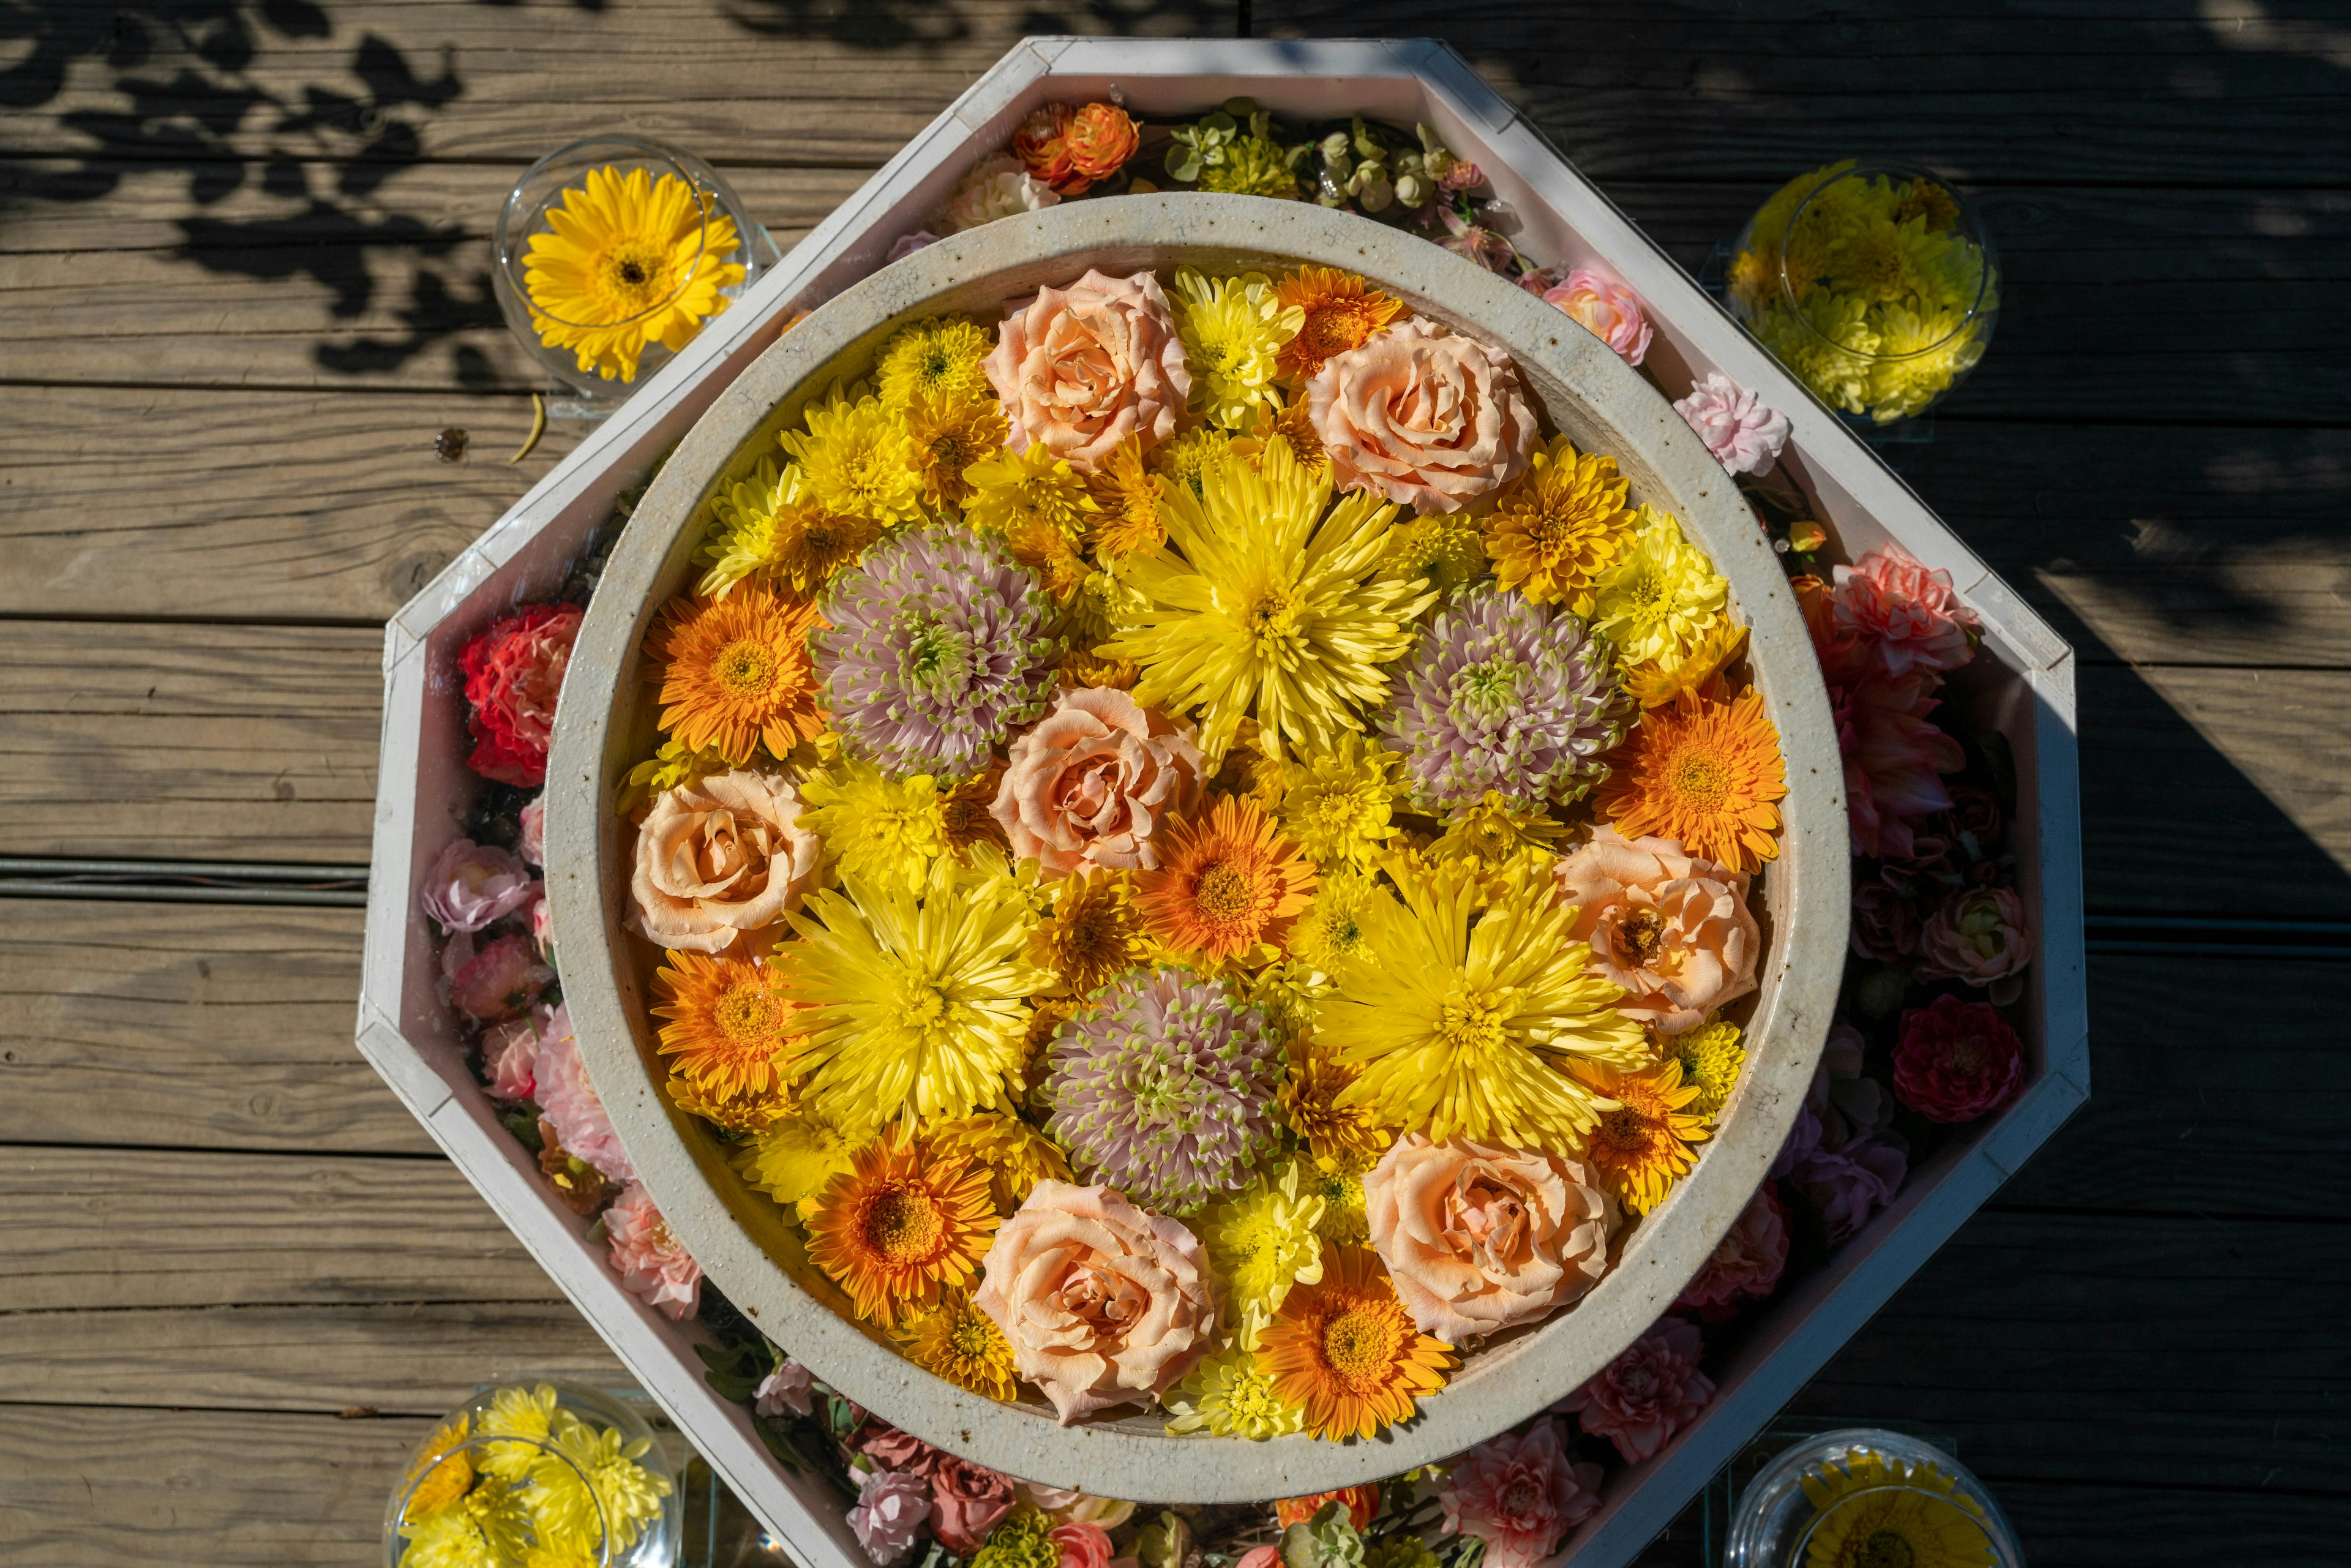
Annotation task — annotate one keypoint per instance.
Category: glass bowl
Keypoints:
(1862, 1498)
(612, 254)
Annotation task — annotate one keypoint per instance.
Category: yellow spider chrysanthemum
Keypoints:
(746, 1111)
(1466, 1004)
(1661, 597)
(1229, 1395)
(1183, 461)
(1261, 1241)
(766, 523)
(1871, 1509)
(1341, 1137)
(1094, 931)
(618, 1499)
(1273, 611)
(859, 458)
(918, 996)
(735, 673)
(1641, 1147)
(961, 1344)
(883, 830)
(1126, 502)
(900, 1226)
(1711, 1057)
(1339, 312)
(1015, 1155)
(938, 357)
(1042, 507)
(948, 438)
(1559, 526)
(1336, 804)
(1347, 1350)
(628, 261)
(1331, 929)
(1705, 774)
(793, 1158)
(1491, 832)
(729, 1025)
(1233, 330)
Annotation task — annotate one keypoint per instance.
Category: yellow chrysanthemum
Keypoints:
(735, 673)
(1922, 352)
(1289, 425)
(1331, 929)
(1492, 832)
(1346, 1221)
(1442, 551)
(1341, 1137)
(918, 995)
(1340, 313)
(1337, 803)
(443, 1476)
(966, 819)
(767, 524)
(961, 1344)
(1872, 1510)
(1082, 666)
(1126, 502)
(900, 1226)
(948, 438)
(1891, 260)
(939, 357)
(674, 764)
(859, 458)
(883, 829)
(746, 1111)
(530, 1416)
(601, 1495)
(1183, 461)
(1096, 931)
(1466, 1004)
(1015, 1155)
(489, 1527)
(1347, 1350)
(1641, 1145)
(1271, 611)
(1559, 526)
(1705, 774)
(793, 1158)
(729, 1025)
(1233, 330)
(1661, 597)
(1711, 1057)
(1829, 341)
(1261, 1241)
(1042, 507)
(1229, 1395)
(1654, 686)
(628, 261)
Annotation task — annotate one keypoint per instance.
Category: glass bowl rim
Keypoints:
(1970, 221)
(425, 1458)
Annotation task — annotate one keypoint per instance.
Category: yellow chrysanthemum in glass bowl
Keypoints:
(628, 260)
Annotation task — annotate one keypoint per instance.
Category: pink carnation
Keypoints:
(1082, 1545)
(1746, 1262)
(469, 884)
(1260, 1557)
(500, 981)
(651, 1260)
(1608, 309)
(1520, 1495)
(1908, 610)
(532, 846)
(788, 1387)
(1744, 436)
(892, 1507)
(510, 1056)
(1957, 1060)
(1641, 1398)
(906, 245)
(1893, 753)
(570, 1102)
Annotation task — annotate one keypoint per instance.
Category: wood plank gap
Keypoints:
(431, 1156)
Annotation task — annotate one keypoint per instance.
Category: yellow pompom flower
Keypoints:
(949, 437)
(1559, 526)
(1346, 1220)
(792, 1159)
(883, 830)
(1094, 931)
(1490, 833)
(1641, 1145)
(746, 1111)
(961, 1344)
(1126, 501)
(938, 357)
(1711, 1057)
(1230, 1395)
(1661, 597)
(1233, 330)
(1467, 1003)
(1015, 1155)
(1273, 611)
(1331, 929)
(859, 458)
(1043, 509)
(488, 1526)
(1442, 551)
(1336, 804)
(446, 1472)
(766, 523)
(1261, 1241)
(1183, 461)
(628, 261)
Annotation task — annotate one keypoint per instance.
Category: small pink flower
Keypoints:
(1957, 1060)
(1744, 436)
(788, 1387)
(967, 1501)
(1607, 308)
(892, 1509)
(1260, 1557)
(570, 1102)
(1645, 1396)
(1082, 1545)
(1980, 935)
(1893, 754)
(1907, 609)
(1847, 1184)
(1520, 1495)
(510, 1056)
(1463, 175)
(469, 884)
(1847, 1104)
(542, 928)
(501, 981)
(1884, 923)
(1747, 1262)
(532, 846)
(651, 1260)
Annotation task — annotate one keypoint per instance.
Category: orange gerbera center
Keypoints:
(1341, 314)
(905, 1220)
(1704, 773)
(728, 1025)
(1346, 1349)
(735, 673)
(903, 1225)
(1225, 883)
(747, 669)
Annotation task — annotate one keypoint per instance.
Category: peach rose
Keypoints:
(1103, 1303)
(1081, 369)
(1091, 783)
(719, 859)
(1424, 417)
(1670, 928)
(1479, 1239)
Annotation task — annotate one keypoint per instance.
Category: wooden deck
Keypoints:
(244, 285)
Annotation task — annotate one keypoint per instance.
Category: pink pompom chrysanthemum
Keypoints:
(652, 1261)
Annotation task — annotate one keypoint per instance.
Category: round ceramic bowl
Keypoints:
(606, 724)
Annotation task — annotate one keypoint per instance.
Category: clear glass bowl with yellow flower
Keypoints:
(612, 254)
(1875, 283)
(1863, 1498)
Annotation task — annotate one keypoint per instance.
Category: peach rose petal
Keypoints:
(1426, 418)
(1092, 783)
(1673, 930)
(1082, 368)
(719, 860)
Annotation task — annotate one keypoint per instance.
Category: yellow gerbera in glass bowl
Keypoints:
(1860, 1497)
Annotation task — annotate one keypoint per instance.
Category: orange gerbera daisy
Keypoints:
(736, 672)
(900, 1223)
(1643, 1146)
(730, 1023)
(1225, 882)
(1705, 774)
(1342, 313)
(1347, 1350)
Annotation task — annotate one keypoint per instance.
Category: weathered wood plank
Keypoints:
(136, 1227)
(188, 1026)
(244, 742)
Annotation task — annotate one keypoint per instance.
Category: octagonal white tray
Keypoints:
(2025, 689)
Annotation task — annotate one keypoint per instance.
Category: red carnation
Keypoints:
(514, 673)
(1956, 1060)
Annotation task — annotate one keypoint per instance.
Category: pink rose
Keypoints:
(500, 981)
(967, 1501)
(1520, 1495)
(1908, 610)
(1744, 436)
(542, 927)
(570, 1103)
(892, 1509)
(652, 1262)
(1103, 1303)
(788, 1387)
(532, 821)
(718, 859)
(1641, 1398)
(1094, 781)
(1478, 1239)
(1426, 418)
(1957, 1060)
(1607, 309)
(469, 884)
(1979, 935)
(1893, 752)
(1082, 1545)
(1082, 368)
(1747, 1260)
(1672, 930)
(906, 245)
(510, 1056)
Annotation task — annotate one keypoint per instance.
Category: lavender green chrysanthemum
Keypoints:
(939, 646)
(1165, 1089)
(1505, 695)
